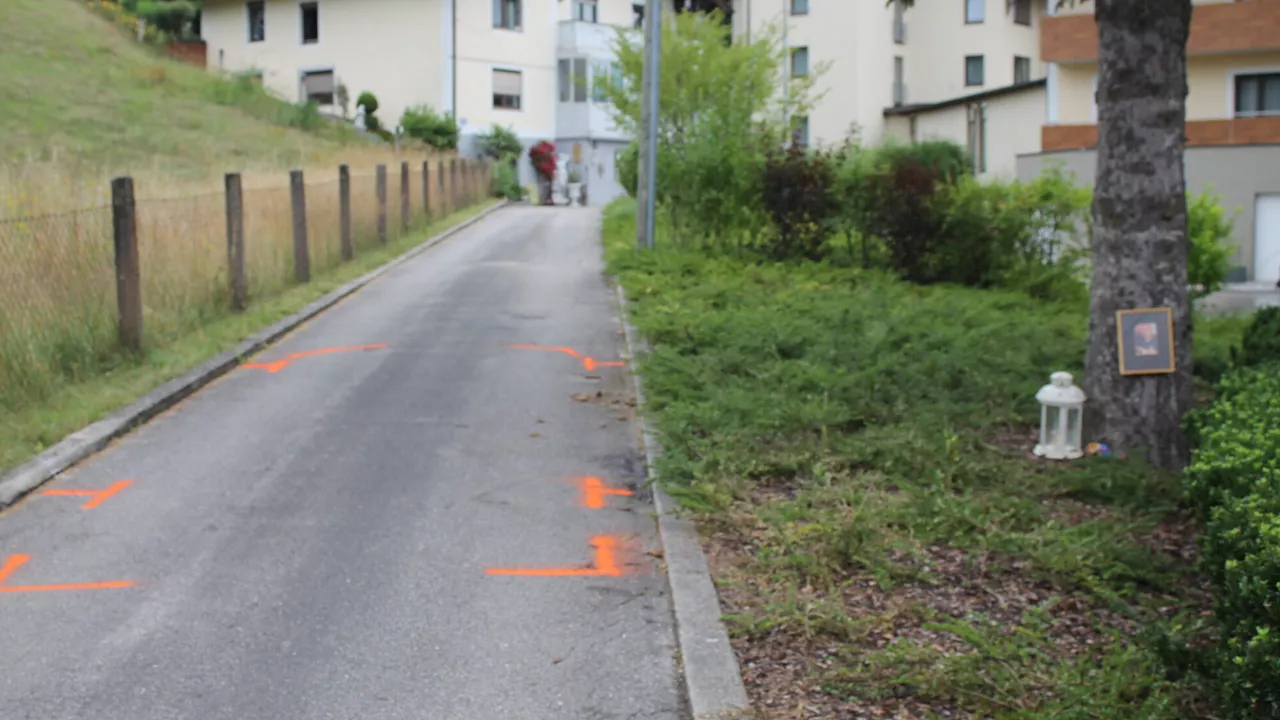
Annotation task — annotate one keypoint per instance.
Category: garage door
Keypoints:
(1266, 238)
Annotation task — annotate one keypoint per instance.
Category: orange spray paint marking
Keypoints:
(99, 496)
(605, 565)
(594, 492)
(588, 362)
(278, 365)
(13, 562)
(567, 351)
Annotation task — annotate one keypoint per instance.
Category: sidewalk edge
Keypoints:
(713, 679)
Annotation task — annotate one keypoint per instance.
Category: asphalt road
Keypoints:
(316, 542)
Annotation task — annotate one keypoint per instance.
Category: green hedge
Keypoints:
(1234, 484)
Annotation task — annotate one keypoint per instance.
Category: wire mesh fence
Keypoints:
(60, 307)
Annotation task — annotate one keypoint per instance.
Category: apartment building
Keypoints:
(529, 65)
(962, 70)
(1233, 115)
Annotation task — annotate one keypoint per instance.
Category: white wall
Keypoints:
(530, 50)
(1013, 129)
(938, 39)
(396, 59)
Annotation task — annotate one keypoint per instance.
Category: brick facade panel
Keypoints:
(1247, 25)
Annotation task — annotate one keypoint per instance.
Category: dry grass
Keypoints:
(57, 290)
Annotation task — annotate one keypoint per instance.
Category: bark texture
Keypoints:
(1140, 223)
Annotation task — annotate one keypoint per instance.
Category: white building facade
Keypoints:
(484, 61)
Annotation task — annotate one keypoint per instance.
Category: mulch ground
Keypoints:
(785, 671)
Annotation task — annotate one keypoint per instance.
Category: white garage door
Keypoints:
(1266, 238)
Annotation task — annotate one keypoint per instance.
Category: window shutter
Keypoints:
(506, 82)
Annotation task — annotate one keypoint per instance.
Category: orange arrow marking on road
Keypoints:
(13, 562)
(98, 495)
(605, 565)
(588, 362)
(278, 365)
(594, 492)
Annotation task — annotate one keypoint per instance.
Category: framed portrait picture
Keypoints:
(1146, 341)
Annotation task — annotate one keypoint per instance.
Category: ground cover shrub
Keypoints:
(856, 448)
(1234, 485)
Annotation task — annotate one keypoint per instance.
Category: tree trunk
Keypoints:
(1140, 223)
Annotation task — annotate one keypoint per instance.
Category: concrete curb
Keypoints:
(89, 440)
(713, 679)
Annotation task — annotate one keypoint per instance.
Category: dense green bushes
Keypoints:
(1261, 341)
(1234, 485)
(422, 122)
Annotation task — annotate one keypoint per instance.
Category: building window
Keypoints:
(799, 62)
(800, 131)
(977, 144)
(506, 89)
(973, 70)
(506, 14)
(1021, 69)
(566, 80)
(605, 72)
(899, 23)
(899, 81)
(1022, 12)
(257, 20)
(799, 7)
(584, 10)
(579, 80)
(637, 16)
(1257, 94)
(318, 87)
(310, 23)
(975, 11)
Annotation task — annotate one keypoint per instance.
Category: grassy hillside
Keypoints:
(77, 90)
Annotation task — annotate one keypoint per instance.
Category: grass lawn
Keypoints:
(27, 430)
(74, 85)
(857, 453)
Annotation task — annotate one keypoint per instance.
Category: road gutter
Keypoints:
(713, 680)
(89, 440)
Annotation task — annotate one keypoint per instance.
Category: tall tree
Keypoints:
(1139, 239)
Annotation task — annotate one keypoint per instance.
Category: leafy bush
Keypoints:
(627, 166)
(1234, 485)
(305, 116)
(440, 131)
(798, 195)
(501, 144)
(369, 102)
(1261, 341)
(506, 183)
(1209, 251)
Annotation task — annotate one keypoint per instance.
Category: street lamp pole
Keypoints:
(650, 87)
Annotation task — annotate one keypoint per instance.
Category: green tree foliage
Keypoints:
(1209, 252)
(173, 18)
(720, 109)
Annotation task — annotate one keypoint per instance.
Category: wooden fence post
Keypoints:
(235, 243)
(443, 202)
(301, 253)
(344, 212)
(426, 189)
(453, 183)
(124, 216)
(404, 197)
(382, 203)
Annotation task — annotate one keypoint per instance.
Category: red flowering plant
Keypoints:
(543, 156)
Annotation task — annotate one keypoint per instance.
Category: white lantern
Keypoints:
(1061, 407)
